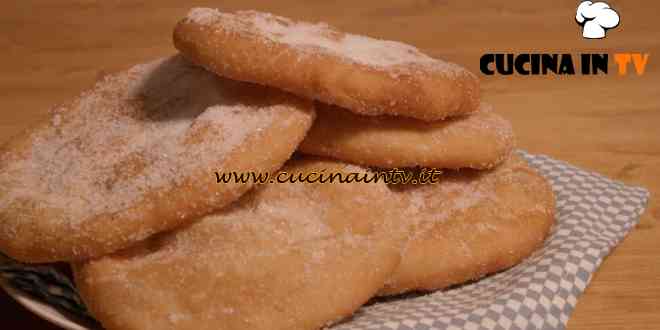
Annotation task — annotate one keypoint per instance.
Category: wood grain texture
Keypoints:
(609, 124)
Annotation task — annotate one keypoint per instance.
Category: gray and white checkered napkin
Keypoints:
(593, 215)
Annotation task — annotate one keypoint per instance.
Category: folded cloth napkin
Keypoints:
(593, 215)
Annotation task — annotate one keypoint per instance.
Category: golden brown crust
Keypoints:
(365, 75)
(480, 140)
(472, 224)
(284, 256)
(136, 155)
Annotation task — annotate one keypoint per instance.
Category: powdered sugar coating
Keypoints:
(278, 217)
(269, 261)
(364, 75)
(320, 37)
(459, 190)
(470, 224)
(480, 140)
(432, 203)
(127, 124)
(132, 137)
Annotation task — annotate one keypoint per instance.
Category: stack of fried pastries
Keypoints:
(123, 181)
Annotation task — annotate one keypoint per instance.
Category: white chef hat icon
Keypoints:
(595, 18)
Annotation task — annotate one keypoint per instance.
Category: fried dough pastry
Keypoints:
(365, 75)
(284, 256)
(136, 155)
(480, 140)
(471, 224)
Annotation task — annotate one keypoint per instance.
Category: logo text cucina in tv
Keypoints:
(562, 64)
(595, 19)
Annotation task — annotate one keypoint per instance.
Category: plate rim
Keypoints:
(43, 310)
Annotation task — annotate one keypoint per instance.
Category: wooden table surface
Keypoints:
(609, 124)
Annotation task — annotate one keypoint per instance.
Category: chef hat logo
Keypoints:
(596, 18)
